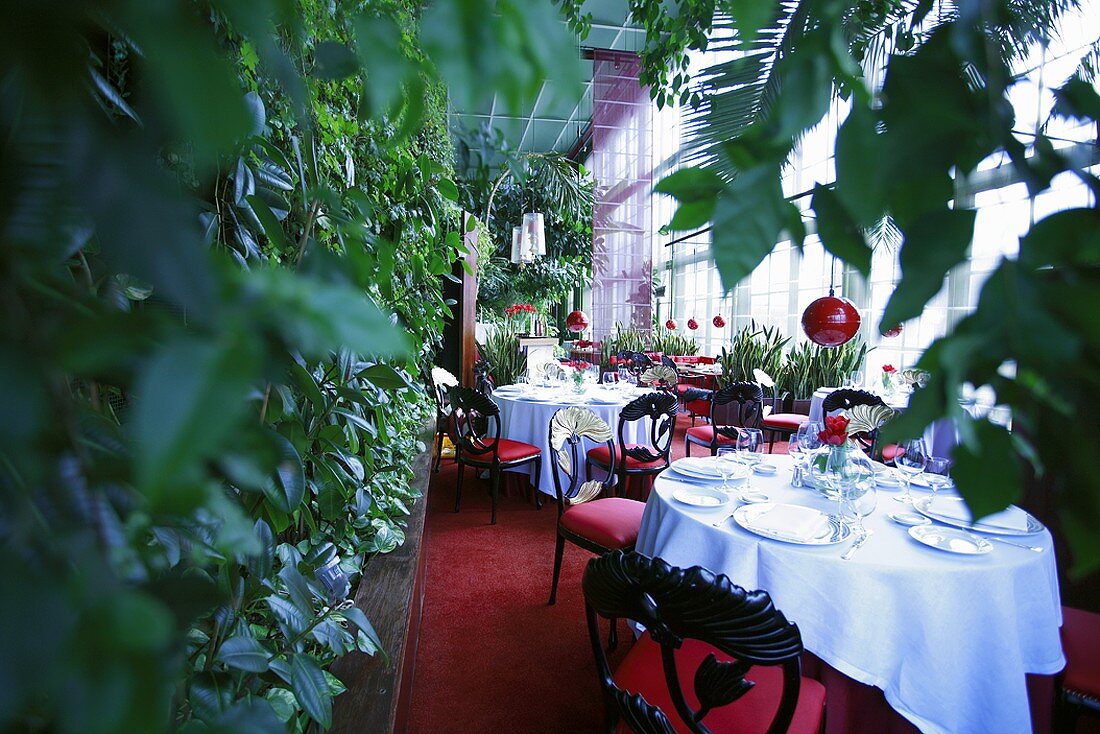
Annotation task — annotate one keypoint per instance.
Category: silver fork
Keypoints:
(723, 521)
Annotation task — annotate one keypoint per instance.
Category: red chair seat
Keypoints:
(785, 421)
(705, 434)
(601, 457)
(641, 672)
(1081, 643)
(698, 407)
(889, 451)
(508, 451)
(612, 522)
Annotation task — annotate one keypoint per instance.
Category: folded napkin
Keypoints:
(700, 465)
(791, 521)
(1011, 519)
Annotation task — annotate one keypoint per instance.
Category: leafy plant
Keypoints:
(670, 342)
(809, 366)
(752, 348)
(502, 354)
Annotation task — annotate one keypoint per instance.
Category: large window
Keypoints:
(787, 281)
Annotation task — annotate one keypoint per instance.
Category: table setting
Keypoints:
(945, 613)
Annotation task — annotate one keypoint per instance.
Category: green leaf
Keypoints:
(356, 616)
(1070, 236)
(189, 397)
(334, 61)
(838, 231)
(933, 245)
(210, 694)
(243, 653)
(386, 377)
(858, 167)
(748, 221)
(447, 189)
(305, 381)
(273, 228)
(287, 488)
(311, 688)
(988, 486)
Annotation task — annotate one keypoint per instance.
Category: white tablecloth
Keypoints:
(529, 421)
(948, 638)
(940, 437)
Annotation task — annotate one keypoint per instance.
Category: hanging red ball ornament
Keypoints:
(693, 324)
(576, 321)
(718, 321)
(830, 321)
(670, 325)
(893, 331)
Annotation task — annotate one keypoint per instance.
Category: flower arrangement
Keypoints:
(693, 324)
(888, 371)
(583, 344)
(576, 370)
(519, 308)
(718, 322)
(836, 430)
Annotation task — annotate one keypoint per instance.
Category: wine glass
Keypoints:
(794, 449)
(937, 471)
(726, 462)
(910, 460)
(859, 500)
(750, 444)
(808, 437)
(857, 379)
(610, 378)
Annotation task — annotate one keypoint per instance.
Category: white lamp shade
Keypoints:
(517, 244)
(535, 233)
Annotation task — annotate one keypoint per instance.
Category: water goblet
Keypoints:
(794, 449)
(750, 444)
(857, 380)
(610, 378)
(910, 460)
(726, 462)
(860, 499)
(937, 471)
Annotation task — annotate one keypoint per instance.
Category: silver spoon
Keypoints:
(855, 546)
(1032, 548)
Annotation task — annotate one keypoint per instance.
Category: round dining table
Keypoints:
(949, 639)
(526, 410)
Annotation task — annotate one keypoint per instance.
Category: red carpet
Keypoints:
(493, 656)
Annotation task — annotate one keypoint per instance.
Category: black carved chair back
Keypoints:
(668, 361)
(741, 404)
(846, 398)
(675, 605)
(661, 408)
(483, 381)
(569, 427)
(476, 420)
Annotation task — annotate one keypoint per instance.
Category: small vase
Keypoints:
(578, 382)
(887, 384)
(844, 467)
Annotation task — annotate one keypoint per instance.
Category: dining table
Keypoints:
(949, 638)
(526, 410)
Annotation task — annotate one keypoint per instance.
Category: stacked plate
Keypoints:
(705, 468)
(952, 510)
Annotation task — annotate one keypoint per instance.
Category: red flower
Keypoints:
(718, 321)
(693, 324)
(582, 365)
(836, 430)
(614, 360)
(889, 369)
(670, 325)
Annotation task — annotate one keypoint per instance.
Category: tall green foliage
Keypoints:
(212, 224)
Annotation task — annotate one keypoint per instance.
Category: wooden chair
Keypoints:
(442, 382)
(625, 460)
(714, 657)
(477, 427)
(584, 519)
(750, 405)
(1078, 686)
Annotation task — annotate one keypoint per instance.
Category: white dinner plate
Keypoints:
(689, 468)
(702, 497)
(921, 481)
(952, 540)
(952, 510)
(833, 530)
(765, 469)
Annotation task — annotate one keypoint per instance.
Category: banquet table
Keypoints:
(947, 638)
(940, 437)
(525, 413)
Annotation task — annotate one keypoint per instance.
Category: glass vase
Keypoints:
(845, 467)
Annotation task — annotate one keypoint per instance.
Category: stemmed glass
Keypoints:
(857, 379)
(726, 462)
(910, 460)
(807, 440)
(750, 444)
(937, 471)
(859, 499)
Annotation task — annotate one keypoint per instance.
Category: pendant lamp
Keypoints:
(830, 321)
(517, 245)
(535, 233)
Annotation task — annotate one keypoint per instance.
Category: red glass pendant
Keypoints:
(893, 331)
(830, 321)
(576, 321)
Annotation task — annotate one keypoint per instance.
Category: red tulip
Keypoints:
(889, 369)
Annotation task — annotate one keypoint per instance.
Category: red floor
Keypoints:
(492, 655)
